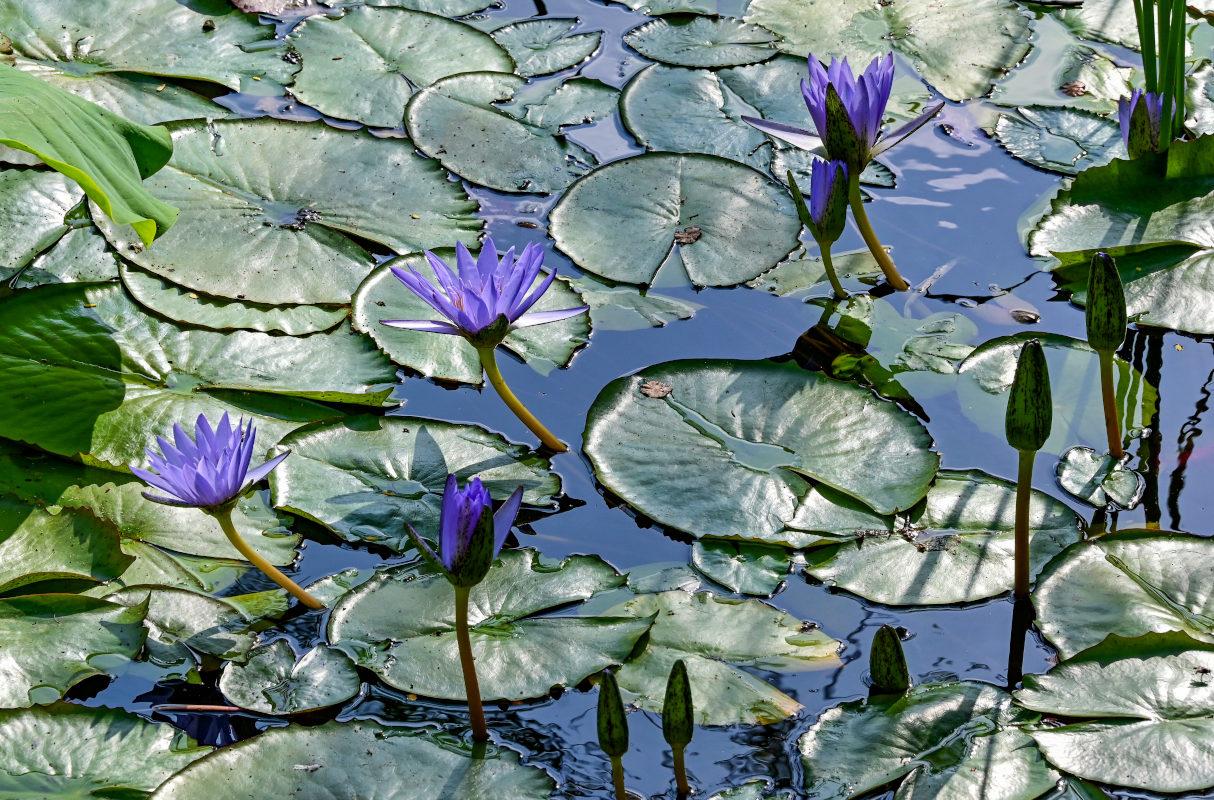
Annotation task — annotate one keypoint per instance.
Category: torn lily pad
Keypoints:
(1098, 479)
(275, 681)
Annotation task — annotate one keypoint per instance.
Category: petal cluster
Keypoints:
(480, 293)
(208, 471)
(459, 521)
(864, 98)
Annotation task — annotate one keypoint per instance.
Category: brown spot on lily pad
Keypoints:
(656, 389)
(688, 235)
(1074, 89)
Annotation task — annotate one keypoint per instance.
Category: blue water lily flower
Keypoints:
(486, 299)
(470, 535)
(1140, 116)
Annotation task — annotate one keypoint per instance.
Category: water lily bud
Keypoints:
(1106, 314)
(678, 716)
(1030, 408)
(887, 663)
(613, 724)
(1141, 117)
(472, 564)
(841, 138)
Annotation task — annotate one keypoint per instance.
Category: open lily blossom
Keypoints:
(1140, 116)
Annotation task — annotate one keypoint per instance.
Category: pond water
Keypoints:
(956, 223)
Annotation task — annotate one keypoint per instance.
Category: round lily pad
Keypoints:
(742, 567)
(32, 206)
(1065, 140)
(657, 203)
(36, 545)
(1129, 583)
(365, 478)
(958, 546)
(402, 627)
(1098, 479)
(703, 42)
(274, 681)
(285, 228)
(757, 450)
(364, 65)
(544, 46)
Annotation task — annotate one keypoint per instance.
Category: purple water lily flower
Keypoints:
(209, 471)
(1140, 116)
(463, 554)
(487, 299)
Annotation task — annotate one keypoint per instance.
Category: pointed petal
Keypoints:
(503, 520)
(527, 302)
(428, 325)
(540, 317)
(168, 501)
(798, 137)
(257, 473)
(886, 142)
(448, 522)
(426, 553)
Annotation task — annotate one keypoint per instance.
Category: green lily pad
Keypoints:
(1113, 21)
(51, 642)
(758, 451)
(715, 636)
(543, 347)
(703, 42)
(742, 567)
(1098, 479)
(986, 375)
(659, 7)
(544, 46)
(69, 752)
(1093, 81)
(1200, 99)
(402, 627)
(803, 275)
(364, 478)
(650, 199)
(36, 545)
(751, 790)
(275, 682)
(950, 740)
(1065, 140)
(364, 65)
(958, 46)
(957, 547)
(32, 206)
(461, 121)
(450, 8)
(82, 255)
(1129, 583)
(357, 759)
(1153, 709)
(627, 308)
(286, 228)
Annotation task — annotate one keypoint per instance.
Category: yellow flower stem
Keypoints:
(870, 237)
(254, 558)
(489, 362)
(617, 778)
(476, 712)
(680, 772)
(1112, 425)
(831, 275)
(1024, 489)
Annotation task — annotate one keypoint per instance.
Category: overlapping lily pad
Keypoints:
(744, 222)
(703, 42)
(274, 681)
(364, 65)
(742, 567)
(543, 46)
(36, 545)
(1081, 79)
(364, 478)
(32, 206)
(624, 308)
(81, 256)
(268, 205)
(758, 451)
(1114, 21)
(958, 546)
(402, 627)
(1098, 479)
(1065, 140)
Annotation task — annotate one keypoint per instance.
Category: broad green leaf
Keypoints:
(450, 8)
(715, 637)
(952, 741)
(36, 545)
(1153, 709)
(275, 682)
(364, 66)
(32, 206)
(141, 375)
(402, 627)
(1200, 98)
(69, 752)
(650, 199)
(1129, 583)
(986, 375)
(268, 205)
(51, 642)
(806, 275)
(627, 308)
(758, 451)
(544, 46)
(1065, 140)
(1113, 21)
(365, 478)
(742, 567)
(106, 155)
(1098, 479)
(958, 46)
(1093, 81)
(658, 7)
(382, 296)
(81, 256)
(703, 42)
(357, 759)
(957, 547)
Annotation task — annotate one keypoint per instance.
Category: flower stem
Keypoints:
(471, 687)
(617, 777)
(1024, 488)
(870, 238)
(831, 275)
(1111, 425)
(680, 772)
(254, 558)
(489, 362)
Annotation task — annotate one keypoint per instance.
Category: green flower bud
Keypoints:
(1106, 315)
(1030, 408)
(887, 663)
(613, 724)
(678, 716)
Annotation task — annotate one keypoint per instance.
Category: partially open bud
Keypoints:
(841, 138)
(613, 724)
(678, 717)
(1140, 116)
(1106, 314)
(887, 663)
(1030, 408)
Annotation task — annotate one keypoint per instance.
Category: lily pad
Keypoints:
(627, 308)
(742, 567)
(957, 547)
(402, 627)
(1098, 479)
(959, 46)
(1129, 583)
(758, 451)
(36, 545)
(450, 8)
(275, 682)
(61, 343)
(453, 358)
(357, 759)
(32, 206)
(1113, 21)
(286, 227)
(51, 642)
(986, 376)
(1065, 140)
(82, 255)
(715, 636)
(544, 46)
(364, 478)
(1153, 709)
(1076, 77)
(950, 740)
(69, 752)
(746, 222)
(803, 275)
(703, 42)
(364, 65)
